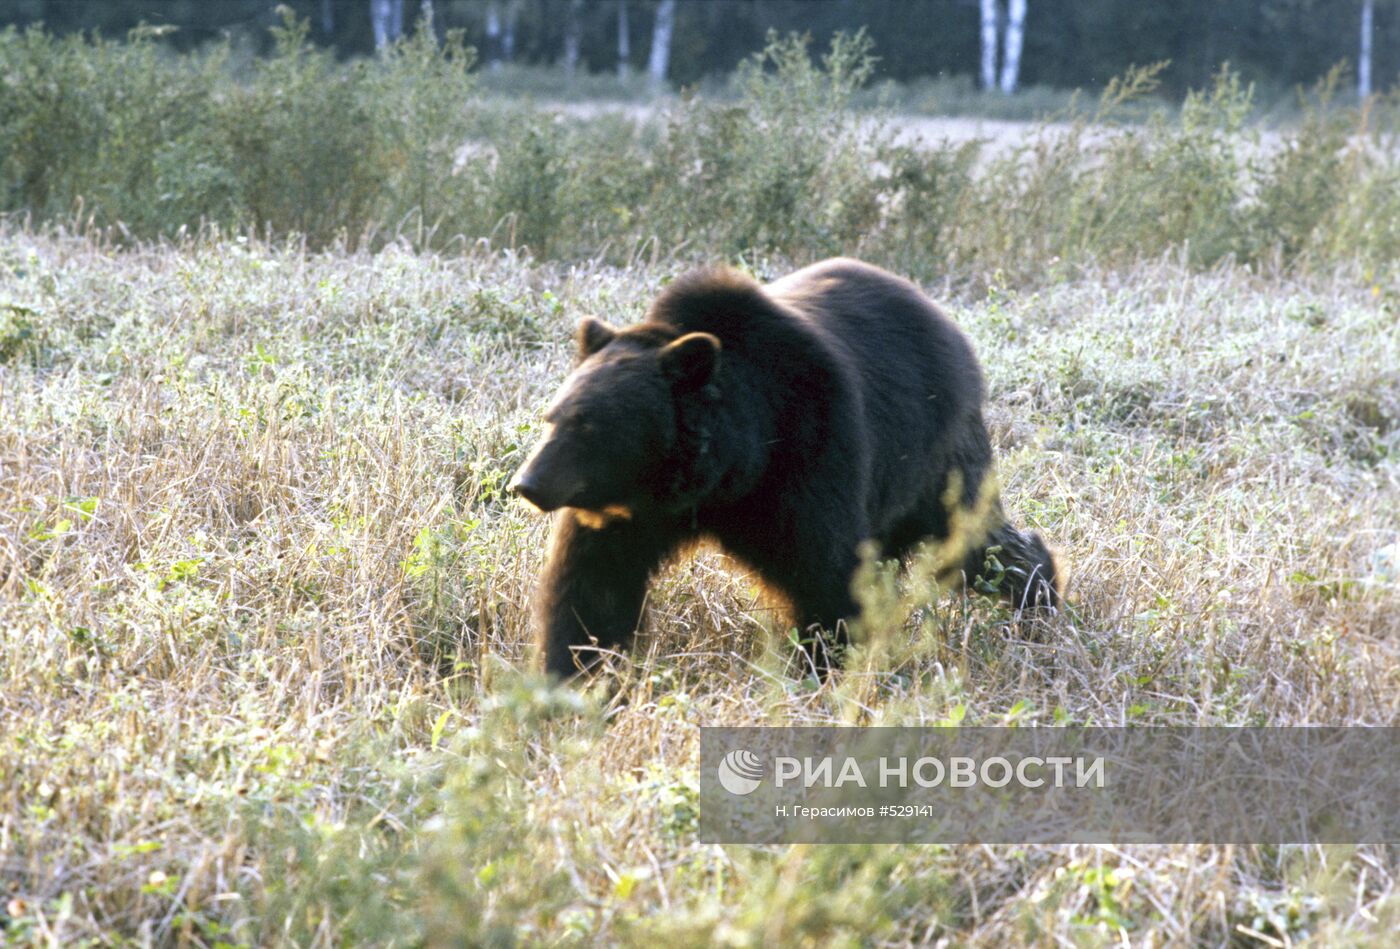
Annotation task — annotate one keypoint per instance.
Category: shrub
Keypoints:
(1301, 186)
(116, 127)
(155, 142)
(1172, 184)
(788, 167)
(300, 141)
(419, 95)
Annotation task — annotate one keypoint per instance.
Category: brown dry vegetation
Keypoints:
(262, 610)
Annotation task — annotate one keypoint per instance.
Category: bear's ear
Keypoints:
(692, 359)
(593, 334)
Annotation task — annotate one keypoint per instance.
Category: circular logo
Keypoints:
(740, 772)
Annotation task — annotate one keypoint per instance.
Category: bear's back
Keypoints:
(906, 350)
(919, 382)
(840, 335)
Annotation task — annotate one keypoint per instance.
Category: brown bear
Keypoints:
(789, 422)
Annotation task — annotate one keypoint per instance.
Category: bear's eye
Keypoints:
(588, 428)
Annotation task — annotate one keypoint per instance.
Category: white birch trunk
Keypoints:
(493, 34)
(1363, 62)
(989, 44)
(381, 18)
(624, 41)
(327, 17)
(661, 42)
(1015, 39)
(572, 31)
(508, 35)
(396, 24)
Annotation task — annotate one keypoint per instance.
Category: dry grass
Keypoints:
(262, 612)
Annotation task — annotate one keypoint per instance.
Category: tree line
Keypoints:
(997, 43)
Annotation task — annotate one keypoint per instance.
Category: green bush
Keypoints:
(787, 167)
(300, 140)
(153, 142)
(419, 95)
(119, 129)
(1175, 183)
(1302, 186)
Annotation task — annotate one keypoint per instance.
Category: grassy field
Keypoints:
(263, 647)
(263, 610)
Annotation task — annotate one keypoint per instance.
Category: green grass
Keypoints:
(263, 620)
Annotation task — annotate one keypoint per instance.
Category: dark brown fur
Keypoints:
(789, 423)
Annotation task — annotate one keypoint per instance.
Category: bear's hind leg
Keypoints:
(1024, 572)
(594, 586)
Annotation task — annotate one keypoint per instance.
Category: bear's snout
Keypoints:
(544, 493)
(535, 494)
(547, 480)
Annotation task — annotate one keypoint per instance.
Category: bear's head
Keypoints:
(615, 422)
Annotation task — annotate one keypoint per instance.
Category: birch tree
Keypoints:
(990, 30)
(380, 17)
(661, 42)
(1015, 39)
(1363, 61)
(493, 35)
(573, 31)
(386, 19)
(624, 41)
(500, 32)
(1011, 43)
(508, 33)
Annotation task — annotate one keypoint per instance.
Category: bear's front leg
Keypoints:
(594, 585)
(817, 579)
